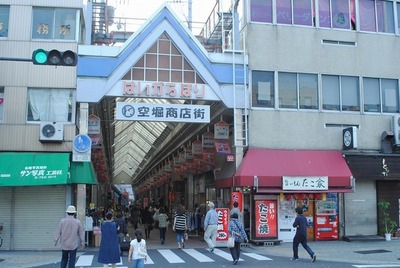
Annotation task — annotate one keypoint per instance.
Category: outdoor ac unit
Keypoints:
(51, 132)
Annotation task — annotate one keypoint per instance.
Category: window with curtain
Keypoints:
(298, 90)
(54, 23)
(53, 105)
(4, 18)
(262, 87)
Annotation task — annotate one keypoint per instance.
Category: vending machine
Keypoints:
(326, 218)
(286, 217)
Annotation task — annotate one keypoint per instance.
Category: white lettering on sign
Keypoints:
(163, 112)
(163, 90)
(39, 172)
(318, 183)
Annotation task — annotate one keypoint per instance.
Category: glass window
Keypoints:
(4, 18)
(372, 102)
(1, 103)
(376, 14)
(330, 92)
(287, 88)
(398, 17)
(340, 93)
(390, 95)
(284, 11)
(50, 23)
(163, 62)
(324, 13)
(350, 92)
(55, 105)
(263, 89)
(308, 91)
(261, 10)
(343, 14)
(303, 12)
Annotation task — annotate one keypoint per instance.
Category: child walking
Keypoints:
(138, 251)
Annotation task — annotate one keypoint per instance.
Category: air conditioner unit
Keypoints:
(51, 132)
(396, 128)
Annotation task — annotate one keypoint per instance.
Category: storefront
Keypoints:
(37, 187)
(284, 179)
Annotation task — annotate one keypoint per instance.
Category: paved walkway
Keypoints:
(377, 252)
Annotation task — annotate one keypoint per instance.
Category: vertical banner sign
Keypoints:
(223, 221)
(265, 219)
(237, 204)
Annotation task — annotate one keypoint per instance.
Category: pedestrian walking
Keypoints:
(162, 219)
(301, 224)
(138, 251)
(109, 251)
(70, 234)
(236, 229)
(180, 226)
(121, 227)
(147, 221)
(210, 226)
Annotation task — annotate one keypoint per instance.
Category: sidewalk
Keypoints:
(385, 252)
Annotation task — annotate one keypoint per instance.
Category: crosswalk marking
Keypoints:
(257, 256)
(198, 256)
(85, 260)
(223, 254)
(170, 256)
(173, 257)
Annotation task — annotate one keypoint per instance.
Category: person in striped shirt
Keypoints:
(180, 226)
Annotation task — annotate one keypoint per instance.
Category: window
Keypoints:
(376, 15)
(338, 14)
(308, 91)
(54, 105)
(372, 102)
(398, 17)
(298, 91)
(163, 62)
(263, 89)
(4, 17)
(54, 24)
(261, 10)
(340, 93)
(299, 12)
(390, 95)
(1, 103)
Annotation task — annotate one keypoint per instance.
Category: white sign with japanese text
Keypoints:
(315, 183)
(163, 112)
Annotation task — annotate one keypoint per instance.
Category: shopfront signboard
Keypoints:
(265, 219)
(33, 169)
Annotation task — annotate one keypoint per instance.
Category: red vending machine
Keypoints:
(326, 218)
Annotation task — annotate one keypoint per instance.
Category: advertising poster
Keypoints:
(265, 219)
(237, 204)
(223, 221)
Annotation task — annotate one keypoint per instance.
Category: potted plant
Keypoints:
(388, 224)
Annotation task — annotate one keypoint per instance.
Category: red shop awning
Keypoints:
(271, 165)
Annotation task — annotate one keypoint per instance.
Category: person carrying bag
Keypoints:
(236, 230)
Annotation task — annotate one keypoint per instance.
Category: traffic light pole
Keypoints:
(14, 59)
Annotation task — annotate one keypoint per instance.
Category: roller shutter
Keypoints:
(38, 210)
(5, 215)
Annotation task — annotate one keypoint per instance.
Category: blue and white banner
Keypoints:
(163, 112)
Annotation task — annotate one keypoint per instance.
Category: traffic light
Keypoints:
(54, 57)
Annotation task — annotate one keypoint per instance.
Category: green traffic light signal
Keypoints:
(39, 56)
(54, 57)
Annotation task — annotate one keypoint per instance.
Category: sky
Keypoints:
(131, 14)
